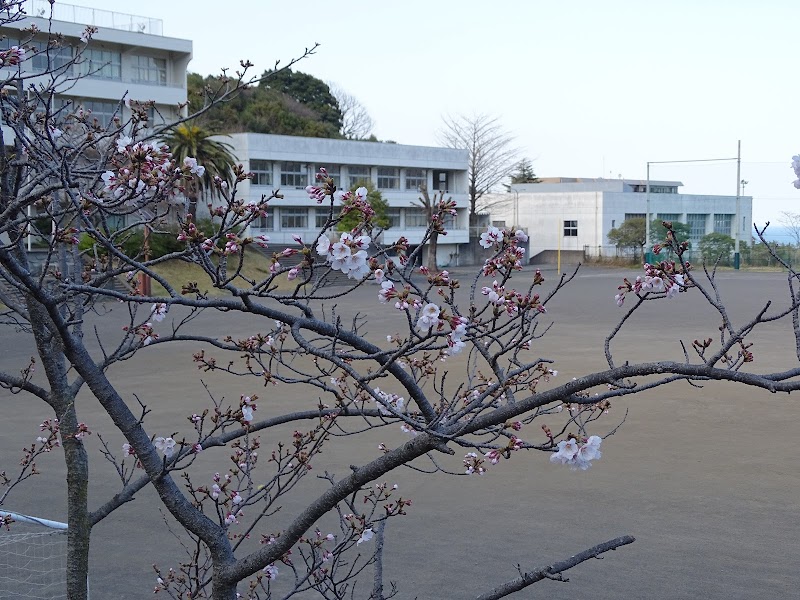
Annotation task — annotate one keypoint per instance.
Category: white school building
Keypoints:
(576, 214)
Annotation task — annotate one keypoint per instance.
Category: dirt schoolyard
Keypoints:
(703, 477)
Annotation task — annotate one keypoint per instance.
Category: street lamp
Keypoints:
(516, 209)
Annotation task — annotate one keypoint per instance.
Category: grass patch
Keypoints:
(178, 273)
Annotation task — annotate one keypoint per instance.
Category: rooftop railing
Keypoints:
(94, 16)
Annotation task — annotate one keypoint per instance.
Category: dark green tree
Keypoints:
(630, 234)
(658, 232)
(716, 246)
(523, 173)
(306, 90)
(376, 201)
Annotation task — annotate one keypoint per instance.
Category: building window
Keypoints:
(388, 178)
(416, 218)
(50, 58)
(570, 229)
(668, 217)
(393, 215)
(321, 217)
(262, 172)
(267, 222)
(7, 41)
(294, 218)
(634, 216)
(416, 179)
(104, 112)
(697, 226)
(722, 224)
(654, 189)
(148, 69)
(293, 175)
(100, 63)
(449, 221)
(357, 175)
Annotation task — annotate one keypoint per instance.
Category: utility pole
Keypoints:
(736, 226)
(647, 215)
(738, 160)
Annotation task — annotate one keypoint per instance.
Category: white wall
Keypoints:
(543, 214)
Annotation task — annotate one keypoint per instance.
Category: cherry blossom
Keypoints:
(576, 455)
(429, 317)
(659, 278)
(490, 237)
(389, 400)
(13, 56)
(165, 445)
(194, 168)
(473, 464)
(123, 142)
(315, 193)
(323, 245)
(386, 292)
(366, 536)
(796, 167)
(493, 456)
(270, 571)
(159, 311)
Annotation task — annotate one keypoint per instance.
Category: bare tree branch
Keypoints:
(554, 570)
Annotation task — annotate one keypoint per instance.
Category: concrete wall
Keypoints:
(543, 214)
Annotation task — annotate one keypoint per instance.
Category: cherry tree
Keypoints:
(452, 378)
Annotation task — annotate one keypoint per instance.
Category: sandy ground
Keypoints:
(704, 479)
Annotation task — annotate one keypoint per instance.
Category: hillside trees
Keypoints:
(282, 102)
(258, 109)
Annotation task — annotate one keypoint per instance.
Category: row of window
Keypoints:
(297, 175)
(655, 189)
(723, 223)
(95, 62)
(299, 218)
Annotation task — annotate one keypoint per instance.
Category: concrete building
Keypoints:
(575, 215)
(128, 57)
(397, 171)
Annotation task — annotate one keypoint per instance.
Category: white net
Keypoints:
(33, 559)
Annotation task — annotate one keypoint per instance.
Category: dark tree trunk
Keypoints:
(62, 400)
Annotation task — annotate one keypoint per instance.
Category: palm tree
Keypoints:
(188, 140)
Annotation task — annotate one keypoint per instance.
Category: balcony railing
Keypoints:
(94, 16)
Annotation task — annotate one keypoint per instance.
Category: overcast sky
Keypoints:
(587, 88)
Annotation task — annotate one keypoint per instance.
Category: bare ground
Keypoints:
(703, 478)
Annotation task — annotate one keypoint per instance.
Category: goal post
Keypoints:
(33, 558)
